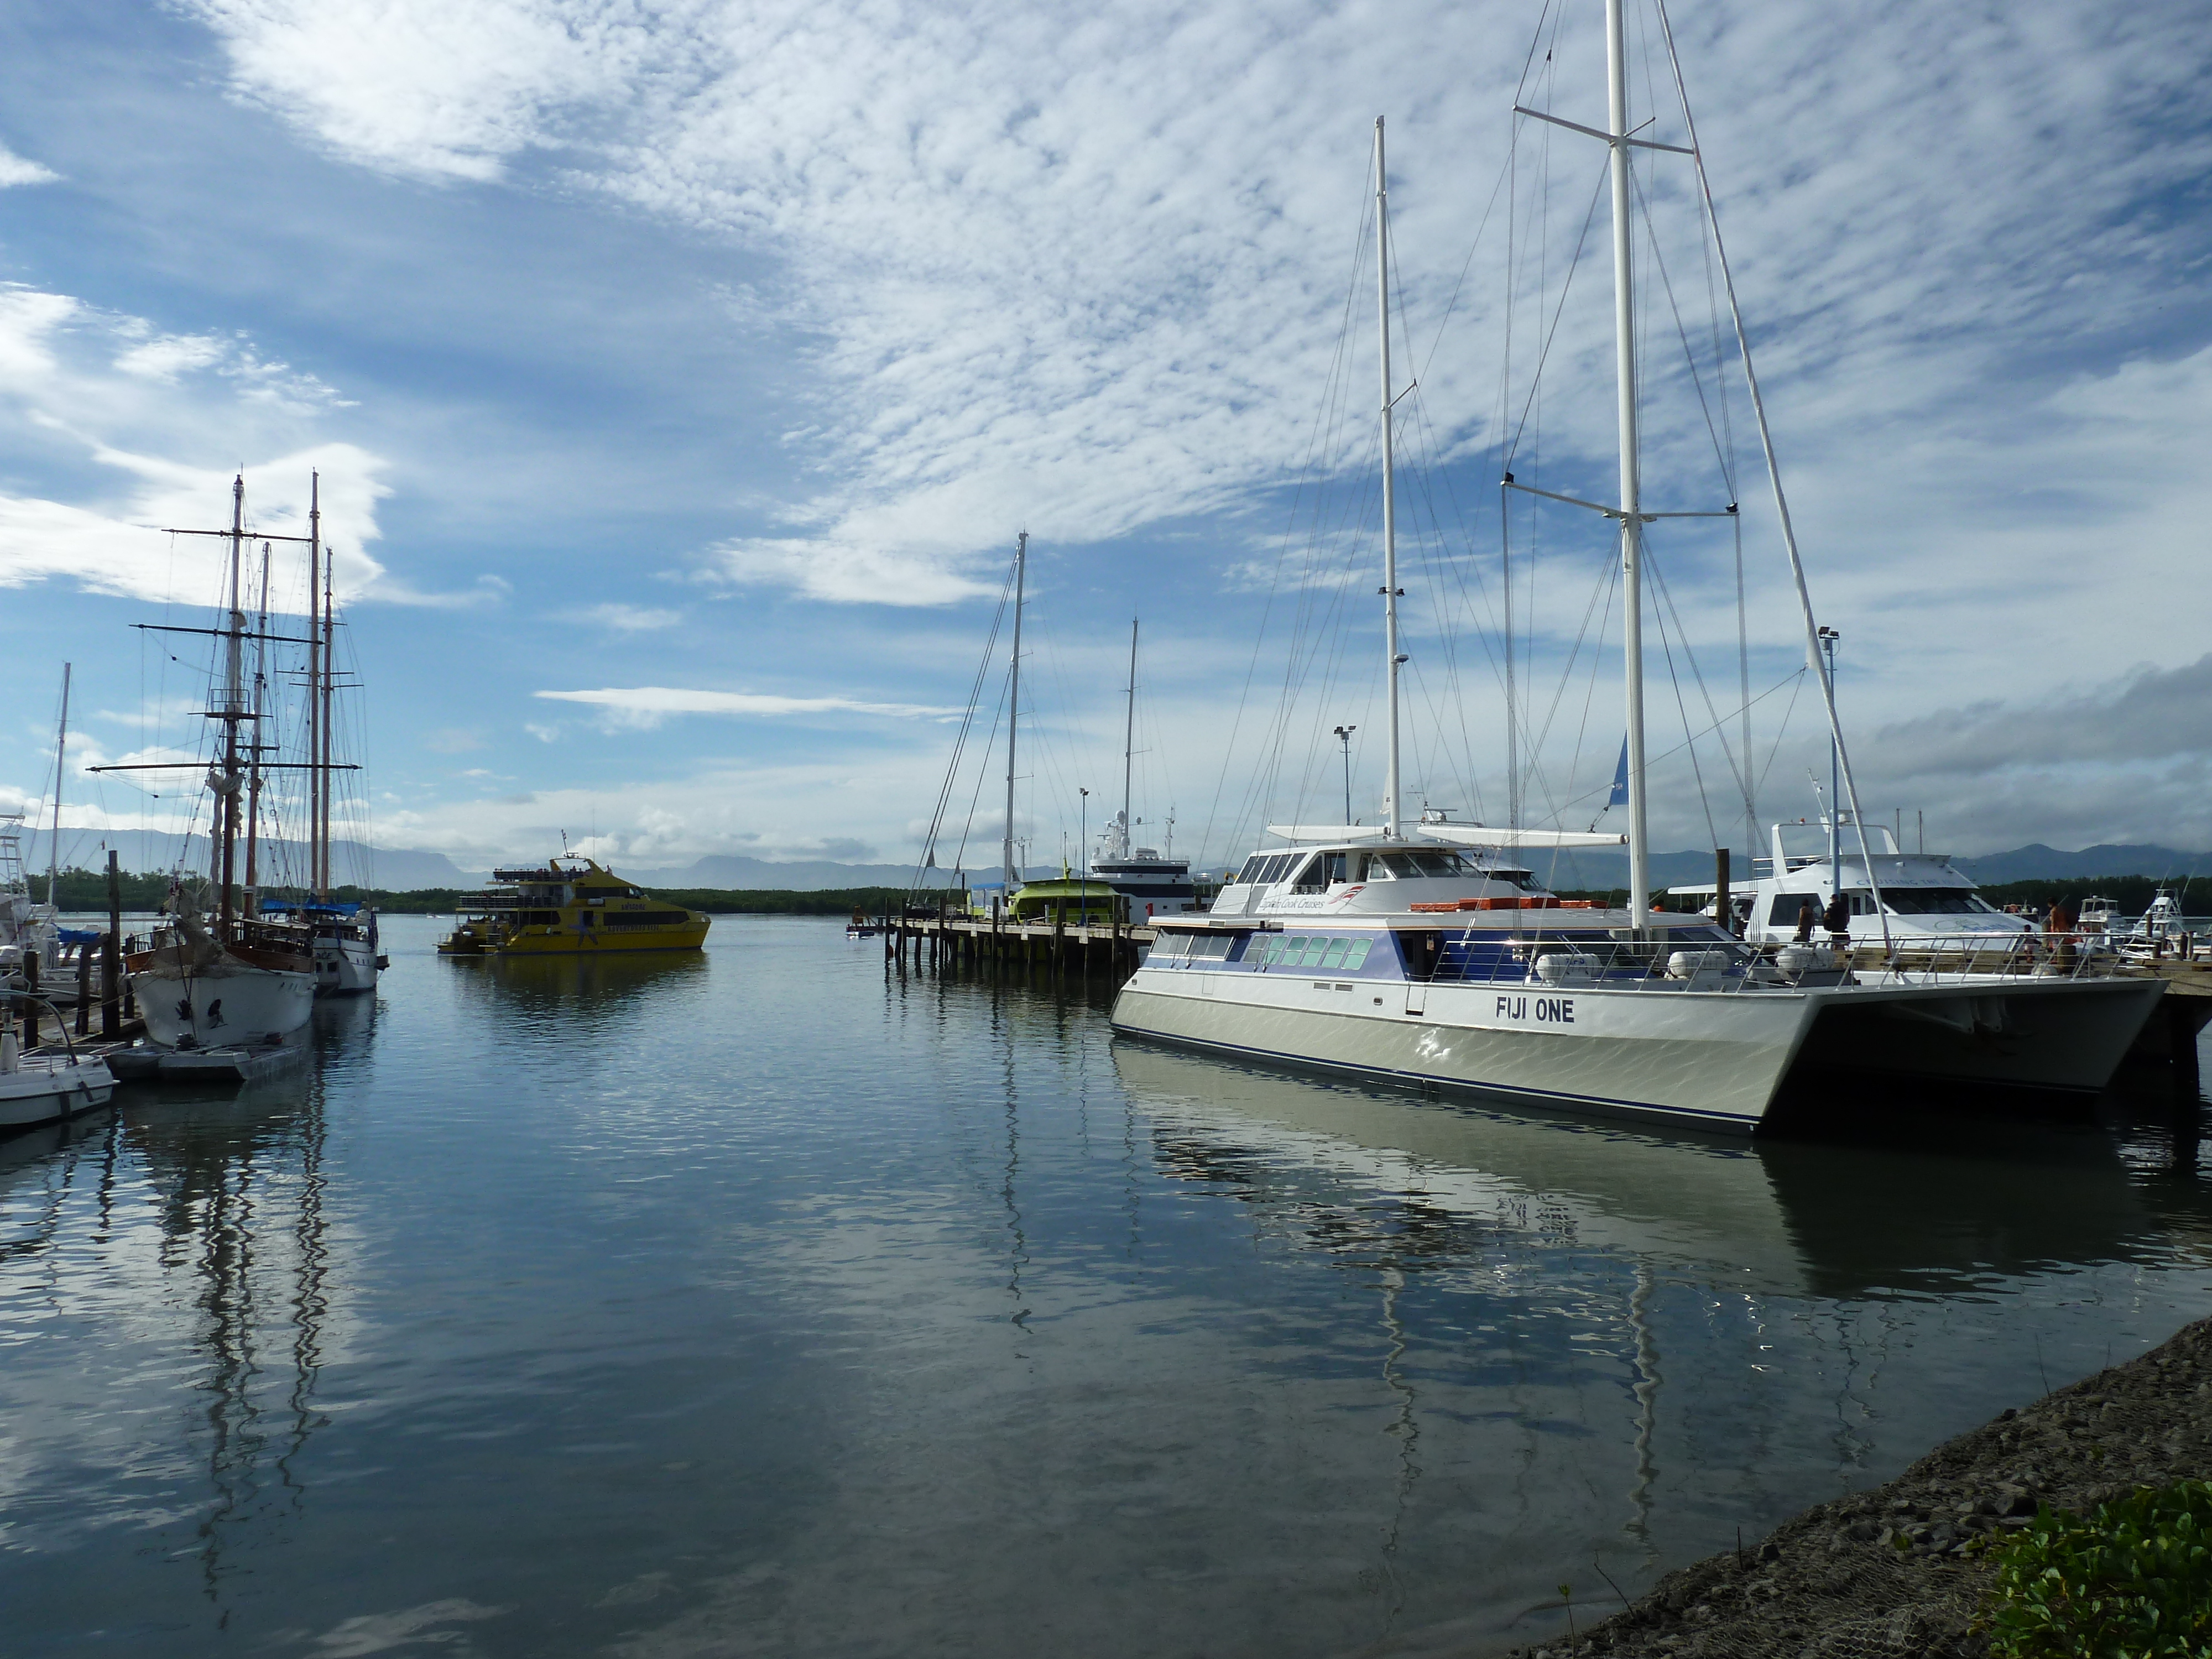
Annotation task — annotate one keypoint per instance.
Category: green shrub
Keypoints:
(2132, 1581)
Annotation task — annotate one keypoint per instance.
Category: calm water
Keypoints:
(754, 1304)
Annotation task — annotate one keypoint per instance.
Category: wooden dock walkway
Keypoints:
(1057, 949)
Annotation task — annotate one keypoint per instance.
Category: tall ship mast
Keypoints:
(346, 945)
(217, 975)
(1153, 884)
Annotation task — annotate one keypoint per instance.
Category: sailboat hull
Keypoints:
(229, 1000)
(345, 966)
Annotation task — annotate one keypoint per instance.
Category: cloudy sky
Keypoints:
(680, 374)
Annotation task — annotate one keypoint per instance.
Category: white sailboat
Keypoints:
(1414, 950)
(1154, 883)
(216, 975)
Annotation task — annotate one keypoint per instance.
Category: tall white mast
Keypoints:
(315, 682)
(61, 749)
(1129, 740)
(1014, 705)
(1393, 658)
(1631, 525)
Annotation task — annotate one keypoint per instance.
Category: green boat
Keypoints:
(1069, 901)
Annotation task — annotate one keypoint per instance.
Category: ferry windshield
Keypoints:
(1410, 867)
(1936, 902)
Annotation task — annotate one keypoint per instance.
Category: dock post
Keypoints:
(31, 1009)
(83, 990)
(111, 956)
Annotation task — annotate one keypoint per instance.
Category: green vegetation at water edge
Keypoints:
(837, 901)
(2133, 1580)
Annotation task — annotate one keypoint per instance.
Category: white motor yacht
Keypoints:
(1928, 903)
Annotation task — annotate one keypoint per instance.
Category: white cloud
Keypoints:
(1083, 270)
(621, 618)
(122, 549)
(71, 375)
(16, 170)
(171, 355)
(647, 705)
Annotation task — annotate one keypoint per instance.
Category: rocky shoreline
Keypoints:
(1887, 1572)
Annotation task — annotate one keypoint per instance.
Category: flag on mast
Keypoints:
(1619, 795)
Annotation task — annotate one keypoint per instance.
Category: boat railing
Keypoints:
(1715, 965)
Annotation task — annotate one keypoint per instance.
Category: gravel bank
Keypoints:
(1834, 1583)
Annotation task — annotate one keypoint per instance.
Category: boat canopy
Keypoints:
(1445, 835)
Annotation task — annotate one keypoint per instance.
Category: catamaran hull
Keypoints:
(1712, 1059)
(2060, 1037)
(225, 1003)
(1718, 1059)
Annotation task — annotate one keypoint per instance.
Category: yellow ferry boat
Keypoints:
(573, 906)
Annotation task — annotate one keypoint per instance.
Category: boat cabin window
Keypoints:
(1204, 947)
(1935, 902)
(1784, 911)
(1335, 869)
(1309, 877)
(1265, 869)
(1317, 951)
(1415, 867)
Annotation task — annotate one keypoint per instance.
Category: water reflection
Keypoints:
(1554, 1247)
(659, 1306)
(594, 988)
(1947, 1211)
(240, 1193)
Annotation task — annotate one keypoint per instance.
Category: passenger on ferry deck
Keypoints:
(1836, 919)
(1806, 917)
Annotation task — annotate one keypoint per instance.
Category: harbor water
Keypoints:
(763, 1302)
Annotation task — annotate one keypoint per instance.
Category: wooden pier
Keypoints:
(2181, 1014)
(940, 940)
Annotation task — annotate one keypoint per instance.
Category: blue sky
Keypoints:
(703, 359)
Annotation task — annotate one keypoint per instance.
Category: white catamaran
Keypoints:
(1415, 950)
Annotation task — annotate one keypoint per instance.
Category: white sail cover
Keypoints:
(1448, 834)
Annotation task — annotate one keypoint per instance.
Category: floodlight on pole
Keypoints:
(1344, 736)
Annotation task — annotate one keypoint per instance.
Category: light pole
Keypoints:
(1082, 856)
(1828, 636)
(1344, 736)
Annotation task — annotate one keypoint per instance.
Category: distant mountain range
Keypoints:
(403, 869)
(396, 870)
(2035, 862)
